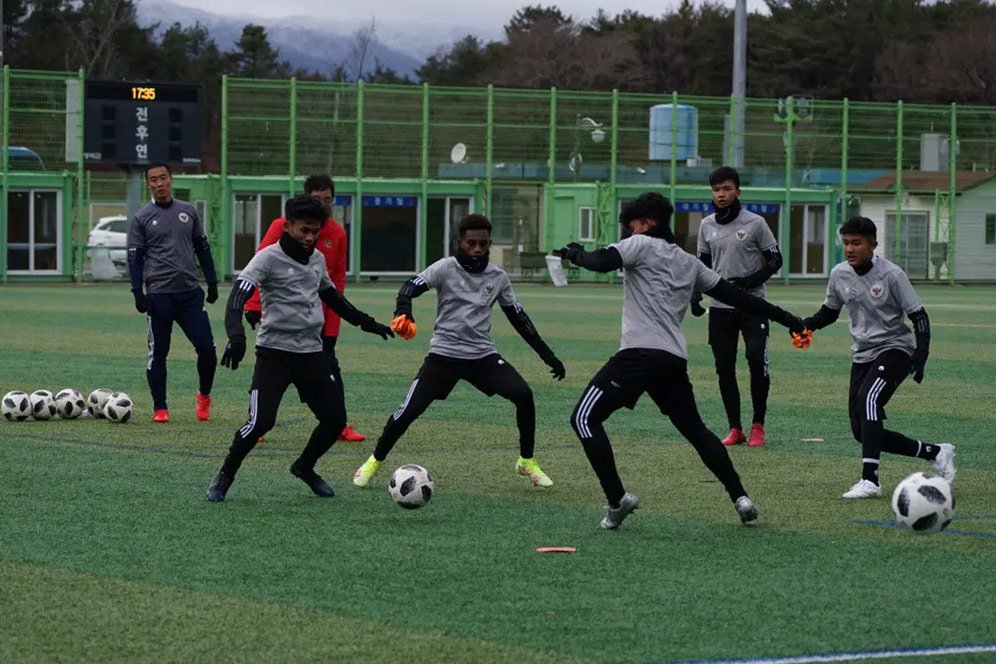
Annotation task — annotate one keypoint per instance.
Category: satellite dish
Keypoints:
(458, 153)
(574, 163)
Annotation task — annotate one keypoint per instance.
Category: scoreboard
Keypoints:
(134, 123)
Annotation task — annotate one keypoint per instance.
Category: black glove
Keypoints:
(571, 252)
(696, 304)
(141, 303)
(557, 369)
(919, 362)
(234, 352)
(212, 295)
(373, 327)
(253, 317)
(795, 324)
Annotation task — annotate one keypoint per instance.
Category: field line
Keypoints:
(858, 655)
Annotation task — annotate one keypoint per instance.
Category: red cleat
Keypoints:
(351, 435)
(161, 416)
(756, 435)
(203, 407)
(735, 437)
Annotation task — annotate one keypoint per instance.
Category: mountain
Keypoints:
(402, 47)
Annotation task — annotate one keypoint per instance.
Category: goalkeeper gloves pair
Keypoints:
(404, 326)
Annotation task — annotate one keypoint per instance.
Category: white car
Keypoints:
(107, 247)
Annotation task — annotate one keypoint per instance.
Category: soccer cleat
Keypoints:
(735, 437)
(614, 515)
(203, 407)
(756, 435)
(746, 509)
(863, 489)
(161, 416)
(531, 468)
(365, 473)
(219, 486)
(314, 481)
(351, 435)
(944, 463)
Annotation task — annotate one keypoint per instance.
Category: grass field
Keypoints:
(109, 552)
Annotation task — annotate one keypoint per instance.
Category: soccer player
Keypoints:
(332, 243)
(740, 247)
(659, 280)
(461, 347)
(878, 296)
(164, 237)
(294, 281)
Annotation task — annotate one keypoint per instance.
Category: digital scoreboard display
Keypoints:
(134, 123)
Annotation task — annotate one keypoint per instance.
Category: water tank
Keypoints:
(685, 138)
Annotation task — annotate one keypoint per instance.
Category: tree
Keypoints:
(254, 57)
(104, 38)
(466, 63)
(528, 18)
(363, 41)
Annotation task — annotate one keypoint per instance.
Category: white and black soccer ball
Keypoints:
(411, 486)
(69, 403)
(95, 402)
(42, 405)
(923, 503)
(16, 406)
(119, 407)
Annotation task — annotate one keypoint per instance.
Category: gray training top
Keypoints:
(736, 248)
(658, 283)
(463, 307)
(292, 312)
(166, 234)
(877, 303)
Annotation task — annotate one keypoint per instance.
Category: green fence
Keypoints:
(511, 138)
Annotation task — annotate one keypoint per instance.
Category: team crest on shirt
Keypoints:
(489, 289)
(184, 217)
(327, 244)
(741, 235)
(877, 290)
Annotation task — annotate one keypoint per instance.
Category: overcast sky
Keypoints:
(462, 12)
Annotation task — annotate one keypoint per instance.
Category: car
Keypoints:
(107, 247)
(24, 159)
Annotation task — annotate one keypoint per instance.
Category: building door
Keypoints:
(911, 251)
(808, 240)
(34, 231)
(251, 216)
(443, 216)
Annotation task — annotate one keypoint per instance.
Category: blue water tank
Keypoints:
(685, 138)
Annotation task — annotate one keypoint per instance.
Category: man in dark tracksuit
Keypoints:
(164, 237)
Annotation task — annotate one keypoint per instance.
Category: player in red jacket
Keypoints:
(332, 243)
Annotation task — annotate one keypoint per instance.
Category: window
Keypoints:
(586, 224)
(991, 229)
(34, 231)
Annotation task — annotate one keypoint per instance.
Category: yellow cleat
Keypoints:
(531, 468)
(365, 473)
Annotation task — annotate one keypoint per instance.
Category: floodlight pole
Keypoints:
(739, 82)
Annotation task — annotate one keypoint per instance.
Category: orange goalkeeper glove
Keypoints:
(404, 327)
(802, 339)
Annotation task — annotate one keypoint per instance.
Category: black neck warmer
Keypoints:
(864, 269)
(727, 214)
(295, 249)
(472, 264)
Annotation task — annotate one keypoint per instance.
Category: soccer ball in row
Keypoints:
(411, 486)
(68, 404)
(923, 503)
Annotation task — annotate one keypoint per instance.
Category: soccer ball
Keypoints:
(95, 402)
(119, 407)
(923, 503)
(42, 405)
(16, 406)
(411, 486)
(69, 403)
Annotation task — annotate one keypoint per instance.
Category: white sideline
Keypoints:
(851, 656)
